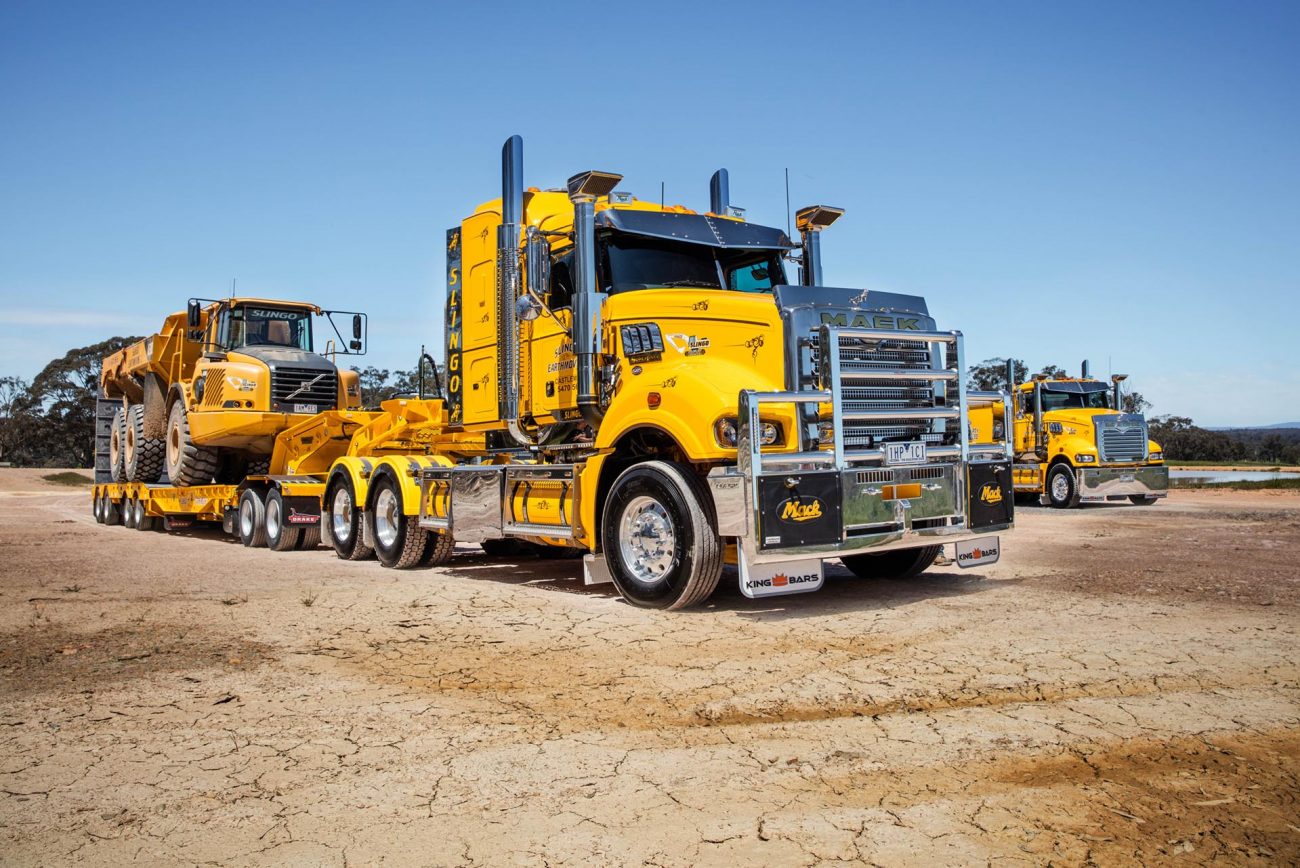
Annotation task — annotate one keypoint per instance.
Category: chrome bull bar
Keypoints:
(736, 490)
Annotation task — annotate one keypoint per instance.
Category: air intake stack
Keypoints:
(719, 193)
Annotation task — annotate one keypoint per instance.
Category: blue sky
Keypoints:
(1114, 181)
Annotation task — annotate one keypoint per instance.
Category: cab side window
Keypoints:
(561, 288)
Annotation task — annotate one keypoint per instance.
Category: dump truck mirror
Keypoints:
(356, 329)
(355, 346)
(194, 314)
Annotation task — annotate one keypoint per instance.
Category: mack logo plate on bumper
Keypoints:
(978, 552)
(771, 580)
(905, 453)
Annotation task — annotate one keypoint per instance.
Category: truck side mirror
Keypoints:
(355, 346)
(356, 329)
(193, 314)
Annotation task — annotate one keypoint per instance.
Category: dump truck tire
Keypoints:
(116, 443)
(340, 510)
(659, 537)
(187, 464)
(1062, 491)
(259, 466)
(143, 456)
(280, 535)
(897, 565)
(251, 521)
(399, 540)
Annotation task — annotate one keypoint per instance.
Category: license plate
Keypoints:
(904, 453)
(304, 408)
(978, 552)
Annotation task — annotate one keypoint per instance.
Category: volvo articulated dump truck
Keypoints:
(205, 397)
(1074, 443)
(643, 385)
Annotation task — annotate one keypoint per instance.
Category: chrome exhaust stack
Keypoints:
(584, 189)
(1117, 390)
(508, 287)
(719, 193)
(1083, 370)
(1011, 382)
(810, 222)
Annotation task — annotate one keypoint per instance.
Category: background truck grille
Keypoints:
(322, 391)
(1122, 438)
(858, 358)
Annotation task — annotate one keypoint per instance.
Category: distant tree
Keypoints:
(990, 375)
(1053, 372)
(1133, 402)
(14, 412)
(380, 384)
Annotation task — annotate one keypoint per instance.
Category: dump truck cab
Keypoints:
(1074, 444)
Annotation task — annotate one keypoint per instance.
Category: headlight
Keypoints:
(1156, 456)
(1085, 459)
(725, 431)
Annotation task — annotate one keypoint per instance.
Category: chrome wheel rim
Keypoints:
(1060, 486)
(647, 540)
(341, 515)
(273, 517)
(386, 518)
(139, 513)
(246, 519)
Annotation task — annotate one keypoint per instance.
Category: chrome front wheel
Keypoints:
(647, 540)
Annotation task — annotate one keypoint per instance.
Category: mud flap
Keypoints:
(774, 580)
(991, 500)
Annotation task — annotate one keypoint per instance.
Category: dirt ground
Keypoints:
(1120, 689)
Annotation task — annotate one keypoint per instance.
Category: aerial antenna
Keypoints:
(232, 287)
(788, 229)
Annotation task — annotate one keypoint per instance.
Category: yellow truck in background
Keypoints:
(204, 398)
(641, 385)
(1073, 443)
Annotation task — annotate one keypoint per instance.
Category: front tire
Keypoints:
(143, 456)
(1142, 499)
(399, 540)
(895, 565)
(251, 520)
(1062, 491)
(659, 538)
(280, 535)
(344, 521)
(187, 464)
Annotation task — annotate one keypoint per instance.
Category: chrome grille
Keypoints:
(1122, 438)
(859, 357)
(291, 386)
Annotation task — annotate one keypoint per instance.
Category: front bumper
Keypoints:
(1099, 484)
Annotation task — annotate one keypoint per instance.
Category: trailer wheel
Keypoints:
(1062, 492)
(112, 512)
(280, 535)
(400, 542)
(901, 564)
(128, 513)
(187, 464)
(143, 520)
(252, 519)
(1142, 499)
(659, 539)
(97, 508)
(310, 538)
(143, 456)
(116, 440)
(340, 511)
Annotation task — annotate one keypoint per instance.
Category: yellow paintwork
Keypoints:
(1077, 437)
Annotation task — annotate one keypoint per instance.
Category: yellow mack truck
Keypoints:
(641, 385)
(204, 398)
(1073, 443)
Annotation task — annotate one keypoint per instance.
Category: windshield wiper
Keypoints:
(688, 283)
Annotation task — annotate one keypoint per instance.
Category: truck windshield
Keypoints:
(630, 262)
(270, 327)
(1097, 400)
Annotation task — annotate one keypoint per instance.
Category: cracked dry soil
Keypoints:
(1120, 689)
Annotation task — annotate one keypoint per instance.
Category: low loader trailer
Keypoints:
(640, 385)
